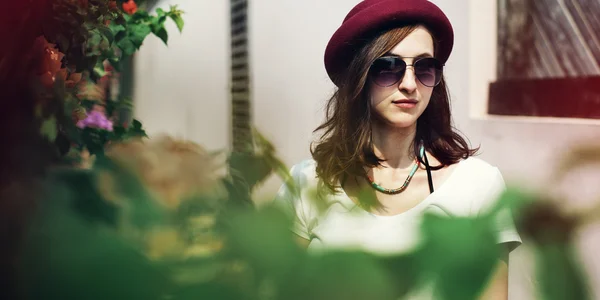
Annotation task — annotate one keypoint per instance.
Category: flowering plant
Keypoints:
(84, 49)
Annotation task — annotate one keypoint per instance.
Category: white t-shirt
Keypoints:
(471, 188)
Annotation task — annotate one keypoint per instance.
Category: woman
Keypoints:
(389, 153)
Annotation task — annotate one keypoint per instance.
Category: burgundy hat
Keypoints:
(370, 17)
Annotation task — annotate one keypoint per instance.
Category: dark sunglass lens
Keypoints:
(429, 71)
(387, 71)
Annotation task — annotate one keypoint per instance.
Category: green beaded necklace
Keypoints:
(406, 182)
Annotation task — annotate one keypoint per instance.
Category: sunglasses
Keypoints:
(389, 70)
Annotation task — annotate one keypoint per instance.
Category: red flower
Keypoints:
(51, 57)
(51, 61)
(112, 5)
(50, 68)
(130, 7)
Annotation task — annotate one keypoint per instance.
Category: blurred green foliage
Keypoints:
(82, 246)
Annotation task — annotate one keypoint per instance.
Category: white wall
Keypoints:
(182, 89)
(290, 85)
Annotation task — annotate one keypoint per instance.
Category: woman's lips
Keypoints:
(407, 103)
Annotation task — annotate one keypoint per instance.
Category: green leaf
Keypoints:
(121, 35)
(49, 128)
(127, 46)
(95, 139)
(116, 63)
(106, 32)
(253, 168)
(140, 15)
(136, 129)
(137, 34)
(92, 45)
(161, 16)
(104, 46)
(178, 20)
(277, 252)
(116, 28)
(67, 256)
(110, 107)
(158, 27)
(119, 132)
(560, 273)
(95, 38)
(161, 33)
(461, 251)
(99, 70)
(338, 275)
(136, 124)
(118, 31)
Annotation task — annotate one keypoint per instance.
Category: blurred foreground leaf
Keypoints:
(276, 253)
(340, 275)
(559, 273)
(460, 253)
(66, 256)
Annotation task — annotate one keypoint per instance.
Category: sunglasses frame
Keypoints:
(416, 60)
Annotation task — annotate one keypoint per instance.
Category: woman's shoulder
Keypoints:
(473, 178)
(478, 164)
(304, 172)
(475, 184)
(304, 166)
(476, 169)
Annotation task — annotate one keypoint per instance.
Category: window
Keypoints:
(546, 55)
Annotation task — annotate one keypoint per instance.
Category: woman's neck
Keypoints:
(394, 145)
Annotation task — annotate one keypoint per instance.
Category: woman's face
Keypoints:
(401, 104)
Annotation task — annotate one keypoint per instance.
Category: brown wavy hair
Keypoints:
(345, 147)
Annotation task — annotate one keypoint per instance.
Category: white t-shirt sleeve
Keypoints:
(503, 220)
(291, 202)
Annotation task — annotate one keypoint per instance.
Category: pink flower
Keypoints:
(96, 119)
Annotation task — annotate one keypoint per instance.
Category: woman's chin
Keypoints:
(401, 124)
